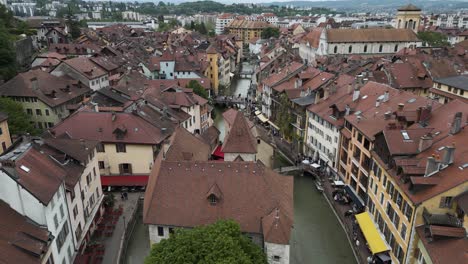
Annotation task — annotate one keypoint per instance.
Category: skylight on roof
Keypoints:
(26, 169)
(405, 135)
(364, 97)
(412, 100)
(380, 98)
(464, 166)
(358, 113)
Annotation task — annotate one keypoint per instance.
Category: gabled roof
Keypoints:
(370, 35)
(177, 196)
(239, 138)
(85, 67)
(50, 89)
(21, 240)
(35, 172)
(100, 126)
(185, 146)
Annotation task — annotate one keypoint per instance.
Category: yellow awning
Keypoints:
(262, 118)
(372, 235)
(273, 125)
(257, 113)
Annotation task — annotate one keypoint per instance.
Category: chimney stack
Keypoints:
(401, 106)
(432, 166)
(386, 96)
(456, 124)
(113, 116)
(356, 94)
(387, 115)
(449, 154)
(425, 142)
(377, 103)
(326, 93)
(347, 110)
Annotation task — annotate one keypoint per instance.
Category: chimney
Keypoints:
(387, 115)
(113, 116)
(386, 96)
(34, 83)
(317, 98)
(432, 166)
(425, 142)
(377, 103)
(347, 110)
(448, 157)
(401, 106)
(326, 93)
(456, 124)
(350, 88)
(356, 94)
(359, 118)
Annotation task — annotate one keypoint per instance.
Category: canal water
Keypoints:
(317, 236)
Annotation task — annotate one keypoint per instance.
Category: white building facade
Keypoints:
(53, 215)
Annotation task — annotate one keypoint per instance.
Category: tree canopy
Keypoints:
(270, 32)
(433, 39)
(221, 242)
(198, 88)
(7, 50)
(18, 120)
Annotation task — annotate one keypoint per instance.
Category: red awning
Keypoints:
(218, 153)
(127, 180)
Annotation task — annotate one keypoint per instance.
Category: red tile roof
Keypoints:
(21, 240)
(185, 146)
(85, 67)
(443, 251)
(50, 89)
(249, 193)
(370, 35)
(102, 127)
(239, 138)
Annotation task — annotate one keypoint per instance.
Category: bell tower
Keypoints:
(408, 17)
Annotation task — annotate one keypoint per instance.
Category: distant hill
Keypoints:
(373, 5)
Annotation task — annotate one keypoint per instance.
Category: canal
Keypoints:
(317, 236)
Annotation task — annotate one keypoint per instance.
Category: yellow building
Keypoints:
(128, 143)
(415, 178)
(5, 139)
(447, 89)
(212, 71)
(408, 17)
(247, 30)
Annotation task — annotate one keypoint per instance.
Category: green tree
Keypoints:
(270, 32)
(284, 118)
(221, 242)
(18, 120)
(198, 88)
(7, 55)
(433, 39)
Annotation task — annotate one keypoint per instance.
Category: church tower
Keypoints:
(409, 17)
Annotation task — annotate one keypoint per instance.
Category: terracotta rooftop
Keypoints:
(50, 89)
(87, 68)
(104, 127)
(33, 170)
(444, 250)
(22, 241)
(250, 194)
(409, 7)
(246, 24)
(370, 35)
(239, 138)
(183, 146)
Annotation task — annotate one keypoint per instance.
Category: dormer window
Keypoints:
(214, 194)
(213, 199)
